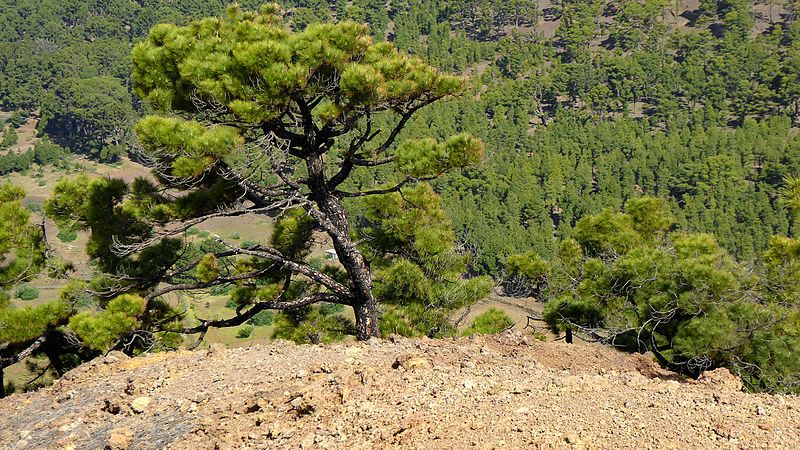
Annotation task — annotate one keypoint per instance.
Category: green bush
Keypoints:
(46, 153)
(491, 322)
(236, 236)
(244, 331)
(5, 299)
(231, 303)
(221, 289)
(27, 293)
(34, 207)
(328, 309)
(262, 319)
(197, 232)
(10, 137)
(249, 244)
(67, 235)
(17, 119)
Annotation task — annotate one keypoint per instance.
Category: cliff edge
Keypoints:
(508, 391)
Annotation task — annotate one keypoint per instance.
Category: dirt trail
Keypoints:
(509, 391)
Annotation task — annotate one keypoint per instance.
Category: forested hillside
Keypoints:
(633, 163)
(582, 104)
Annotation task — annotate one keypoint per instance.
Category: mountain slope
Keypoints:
(500, 392)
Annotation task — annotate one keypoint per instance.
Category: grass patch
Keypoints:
(197, 232)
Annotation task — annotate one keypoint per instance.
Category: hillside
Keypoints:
(499, 392)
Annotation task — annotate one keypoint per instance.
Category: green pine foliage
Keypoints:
(102, 331)
(534, 101)
(244, 331)
(630, 280)
(418, 271)
(10, 137)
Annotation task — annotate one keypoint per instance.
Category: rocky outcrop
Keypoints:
(509, 391)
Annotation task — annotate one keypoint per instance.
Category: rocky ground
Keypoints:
(509, 391)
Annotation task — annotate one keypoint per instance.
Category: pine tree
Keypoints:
(23, 331)
(254, 118)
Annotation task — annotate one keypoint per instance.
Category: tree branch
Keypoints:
(261, 306)
(38, 342)
(395, 188)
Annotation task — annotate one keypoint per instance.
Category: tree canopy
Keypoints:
(629, 280)
(252, 117)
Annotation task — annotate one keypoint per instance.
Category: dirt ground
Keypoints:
(509, 391)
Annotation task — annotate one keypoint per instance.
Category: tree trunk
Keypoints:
(568, 335)
(365, 306)
(2, 381)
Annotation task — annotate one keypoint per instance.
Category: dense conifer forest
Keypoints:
(582, 104)
(660, 135)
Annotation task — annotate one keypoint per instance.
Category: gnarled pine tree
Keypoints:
(252, 117)
(23, 331)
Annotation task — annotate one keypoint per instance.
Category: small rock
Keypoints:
(469, 384)
(760, 410)
(140, 404)
(110, 406)
(411, 362)
(308, 441)
(69, 395)
(120, 439)
(722, 378)
(215, 349)
(301, 406)
(352, 351)
(468, 365)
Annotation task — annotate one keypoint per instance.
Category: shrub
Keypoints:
(67, 235)
(10, 137)
(236, 236)
(328, 309)
(232, 303)
(17, 119)
(490, 322)
(197, 232)
(262, 319)
(34, 207)
(46, 152)
(248, 244)
(221, 289)
(244, 331)
(27, 293)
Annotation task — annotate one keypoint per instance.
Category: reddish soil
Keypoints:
(509, 391)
